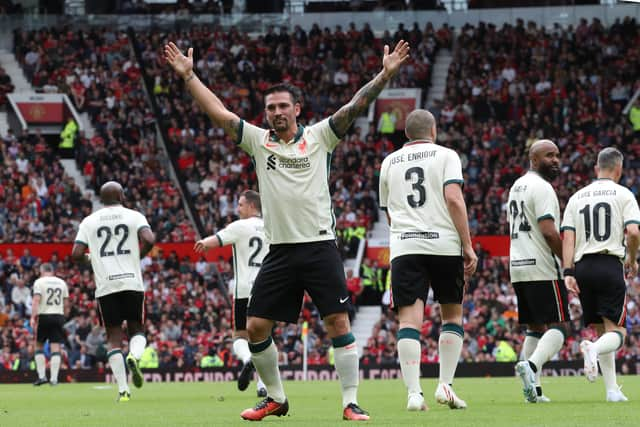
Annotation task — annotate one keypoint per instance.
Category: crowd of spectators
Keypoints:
(512, 85)
(239, 68)
(188, 317)
(506, 88)
(98, 70)
(39, 202)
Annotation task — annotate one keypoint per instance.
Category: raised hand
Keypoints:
(391, 62)
(183, 65)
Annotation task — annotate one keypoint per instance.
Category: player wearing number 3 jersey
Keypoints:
(249, 249)
(117, 238)
(421, 190)
(535, 250)
(594, 225)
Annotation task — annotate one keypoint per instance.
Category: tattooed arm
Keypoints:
(206, 99)
(345, 116)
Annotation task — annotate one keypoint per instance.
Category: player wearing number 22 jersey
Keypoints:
(117, 238)
(534, 261)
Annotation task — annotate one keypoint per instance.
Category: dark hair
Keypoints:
(296, 94)
(46, 268)
(253, 198)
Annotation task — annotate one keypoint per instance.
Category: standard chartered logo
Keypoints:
(284, 163)
(271, 162)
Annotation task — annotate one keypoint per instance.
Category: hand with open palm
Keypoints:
(391, 62)
(183, 65)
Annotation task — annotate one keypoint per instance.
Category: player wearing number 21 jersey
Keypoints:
(534, 261)
(249, 249)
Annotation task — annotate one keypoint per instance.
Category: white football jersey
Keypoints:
(249, 249)
(52, 290)
(531, 199)
(599, 214)
(293, 177)
(111, 234)
(412, 182)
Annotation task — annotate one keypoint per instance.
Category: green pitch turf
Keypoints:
(492, 402)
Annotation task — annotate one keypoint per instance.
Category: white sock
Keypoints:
(137, 345)
(449, 349)
(528, 347)
(241, 350)
(608, 368)
(347, 364)
(55, 366)
(550, 343)
(265, 358)
(116, 361)
(608, 342)
(409, 355)
(40, 364)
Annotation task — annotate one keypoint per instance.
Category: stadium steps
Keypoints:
(380, 230)
(367, 317)
(439, 76)
(4, 123)
(21, 85)
(71, 169)
(13, 69)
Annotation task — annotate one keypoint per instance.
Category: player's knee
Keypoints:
(258, 329)
(562, 327)
(337, 324)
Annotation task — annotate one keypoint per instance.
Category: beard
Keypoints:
(549, 172)
(280, 124)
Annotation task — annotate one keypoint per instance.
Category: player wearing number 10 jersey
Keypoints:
(594, 223)
(249, 249)
(113, 235)
(535, 250)
(421, 190)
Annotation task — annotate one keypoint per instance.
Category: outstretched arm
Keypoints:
(207, 100)
(391, 62)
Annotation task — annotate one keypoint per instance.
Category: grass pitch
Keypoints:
(494, 402)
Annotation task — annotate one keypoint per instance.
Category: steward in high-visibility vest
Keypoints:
(68, 134)
(634, 117)
(387, 123)
(149, 359)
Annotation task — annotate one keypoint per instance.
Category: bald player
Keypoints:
(534, 260)
(596, 253)
(117, 238)
(421, 191)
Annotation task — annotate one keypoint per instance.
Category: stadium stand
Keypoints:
(97, 69)
(506, 87)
